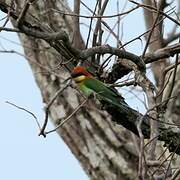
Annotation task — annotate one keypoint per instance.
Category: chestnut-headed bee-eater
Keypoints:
(89, 85)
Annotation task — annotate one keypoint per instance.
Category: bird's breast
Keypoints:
(87, 91)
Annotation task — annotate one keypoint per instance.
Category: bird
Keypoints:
(91, 86)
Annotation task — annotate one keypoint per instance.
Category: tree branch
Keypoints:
(124, 116)
(166, 52)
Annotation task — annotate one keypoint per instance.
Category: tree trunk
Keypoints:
(101, 147)
(104, 149)
(157, 41)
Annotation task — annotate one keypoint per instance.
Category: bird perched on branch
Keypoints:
(89, 85)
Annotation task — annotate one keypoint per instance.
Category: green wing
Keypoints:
(104, 92)
(99, 87)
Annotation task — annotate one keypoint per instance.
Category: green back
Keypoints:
(101, 89)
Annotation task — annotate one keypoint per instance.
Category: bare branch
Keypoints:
(171, 38)
(68, 118)
(176, 175)
(98, 23)
(9, 29)
(173, 81)
(96, 16)
(29, 112)
(105, 24)
(166, 52)
(141, 165)
(151, 32)
(22, 14)
(106, 49)
(151, 8)
(90, 25)
(42, 131)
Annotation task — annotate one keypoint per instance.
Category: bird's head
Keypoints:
(79, 74)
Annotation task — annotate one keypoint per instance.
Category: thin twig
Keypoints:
(9, 29)
(22, 14)
(176, 175)
(76, 25)
(42, 131)
(126, 83)
(118, 23)
(171, 38)
(94, 16)
(163, 153)
(169, 165)
(151, 8)
(90, 25)
(50, 71)
(173, 80)
(68, 118)
(151, 32)
(99, 30)
(137, 38)
(23, 109)
(160, 92)
(165, 160)
(141, 167)
(104, 23)
(98, 23)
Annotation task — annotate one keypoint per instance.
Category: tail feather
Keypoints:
(116, 102)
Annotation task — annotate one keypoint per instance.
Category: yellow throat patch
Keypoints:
(79, 79)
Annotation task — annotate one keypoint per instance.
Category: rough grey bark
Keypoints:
(103, 148)
(172, 114)
(98, 144)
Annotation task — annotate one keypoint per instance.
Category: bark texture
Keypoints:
(104, 149)
(157, 41)
(100, 146)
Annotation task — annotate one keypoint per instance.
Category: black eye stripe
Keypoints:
(74, 75)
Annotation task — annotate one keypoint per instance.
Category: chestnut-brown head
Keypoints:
(79, 74)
